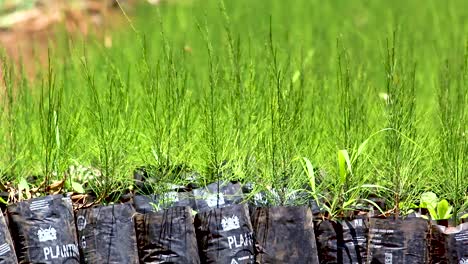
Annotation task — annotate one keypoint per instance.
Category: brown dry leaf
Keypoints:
(80, 201)
(78, 197)
(11, 195)
(55, 186)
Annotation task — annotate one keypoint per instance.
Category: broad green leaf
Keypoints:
(428, 199)
(464, 216)
(362, 147)
(77, 187)
(348, 203)
(410, 211)
(375, 205)
(310, 174)
(433, 213)
(23, 185)
(444, 210)
(344, 164)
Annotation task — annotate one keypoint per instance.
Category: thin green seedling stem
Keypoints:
(50, 118)
(211, 110)
(8, 82)
(344, 85)
(235, 73)
(275, 108)
(400, 115)
(453, 148)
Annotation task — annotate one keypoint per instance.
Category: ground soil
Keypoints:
(34, 31)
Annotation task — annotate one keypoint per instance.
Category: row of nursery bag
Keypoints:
(45, 230)
(225, 230)
(300, 235)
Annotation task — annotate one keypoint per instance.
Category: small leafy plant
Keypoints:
(438, 209)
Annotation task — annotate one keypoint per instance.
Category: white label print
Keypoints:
(4, 248)
(39, 205)
(60, 251)
(242, 260)
(241, 240)
(377, 235)
(245, 258)
(463, 261)
(462, 236)
(83, 242)
(230, 223)
(358, 223)
(80, 222)
(213, 201)
(47, 234)
(388, 258)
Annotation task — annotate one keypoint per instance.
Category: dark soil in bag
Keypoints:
(7, 249)
(342, 241)
(225, 235)
(285, 235)
(43, 230)
(208, 198)
(106, 234)
(153, 203)
(449, 244)
(167, 236)
(398, 241)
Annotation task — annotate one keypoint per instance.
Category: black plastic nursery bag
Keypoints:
(285, 235)
(167, 236)
(43, 230)
(225, 235)
(7, 249)
(153, 203)
(449, 244)
(342, 241)
(208, 197)
(353, 242)
(106, 234)
(395, 241)
(327, 240)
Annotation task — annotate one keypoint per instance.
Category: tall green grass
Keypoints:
(243, 90)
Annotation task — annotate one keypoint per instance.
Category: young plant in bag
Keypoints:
(438, 209)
